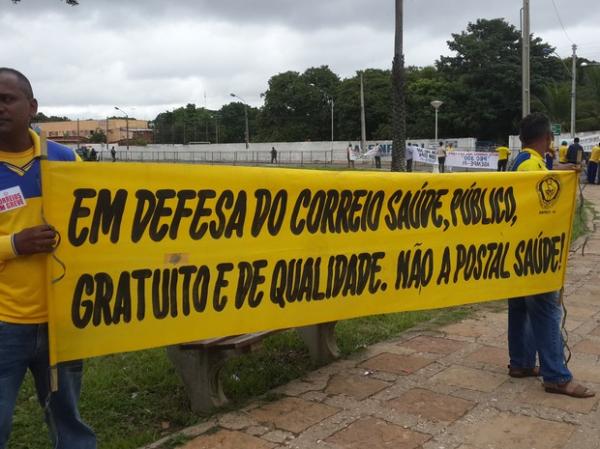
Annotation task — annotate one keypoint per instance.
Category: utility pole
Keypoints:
(363, 122)
(398, 96)
(332, 102)
(574, 92)
(526, 49)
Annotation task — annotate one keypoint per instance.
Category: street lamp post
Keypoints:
(436, 105)
(247, 133)
(126, 124)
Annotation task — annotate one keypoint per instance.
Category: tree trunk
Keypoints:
(398, 115)
(398, 97)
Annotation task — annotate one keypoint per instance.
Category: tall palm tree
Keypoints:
(398, 95)
(555, 102)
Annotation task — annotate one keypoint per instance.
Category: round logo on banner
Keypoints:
(548, 191)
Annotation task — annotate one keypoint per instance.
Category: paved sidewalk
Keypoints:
(443, 389)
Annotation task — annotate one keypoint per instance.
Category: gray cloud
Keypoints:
(155, 54)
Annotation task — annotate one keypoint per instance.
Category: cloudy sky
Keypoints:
(147, 56)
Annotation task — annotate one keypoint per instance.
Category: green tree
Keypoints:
(297, 107)
(232, 124)
(588, 112)
(97, 136)
(40, 117)
(485, 74)
(378, 117)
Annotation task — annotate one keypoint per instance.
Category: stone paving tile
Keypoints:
(235, 421)
(490, 355)
(374, 433)
(596, 332)
(430, 405)
(396, 363)
(588, 347)
(278, 436)
(580, 313)
(435, 345)
(585, 370)
(471, 379)
(227, 439)
(359, 387)
(292, 414)
(506, 431)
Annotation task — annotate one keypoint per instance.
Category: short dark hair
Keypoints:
(24, 83)
(534, 127)
(576, 140)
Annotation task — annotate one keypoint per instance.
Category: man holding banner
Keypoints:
(24, 245)
(534, 322)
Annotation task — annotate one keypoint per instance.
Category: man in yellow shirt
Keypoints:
(562, 152)
(25, 242)
(503, 153)
(534, 322)
(592, 170)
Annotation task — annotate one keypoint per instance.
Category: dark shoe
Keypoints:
(520, 373)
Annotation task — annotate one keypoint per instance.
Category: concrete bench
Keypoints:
(199, 363)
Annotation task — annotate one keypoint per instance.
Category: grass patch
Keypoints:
(580, 220)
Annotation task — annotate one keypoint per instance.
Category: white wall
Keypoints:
(261, 152)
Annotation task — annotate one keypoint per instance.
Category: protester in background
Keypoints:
(348, 153)
(93, 154)
(592, 169)
(549, 157)
(273, 155)
(562, 152)
(575, 152)
(408, 157)
(441, 156)
(534, 322)
(377, 155)
(25, 243)
(503, 153)
(113, 154)
(353, 154)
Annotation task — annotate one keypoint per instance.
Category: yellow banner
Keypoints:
(158, 254)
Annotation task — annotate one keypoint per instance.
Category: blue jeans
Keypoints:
(534, 328)
(24, 346)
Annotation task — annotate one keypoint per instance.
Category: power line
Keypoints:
(561, 22)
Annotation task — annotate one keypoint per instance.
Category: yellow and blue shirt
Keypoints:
(23, 278)
(529, 160)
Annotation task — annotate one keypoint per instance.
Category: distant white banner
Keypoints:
(463, 159)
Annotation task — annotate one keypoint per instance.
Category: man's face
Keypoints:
(16, 110)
